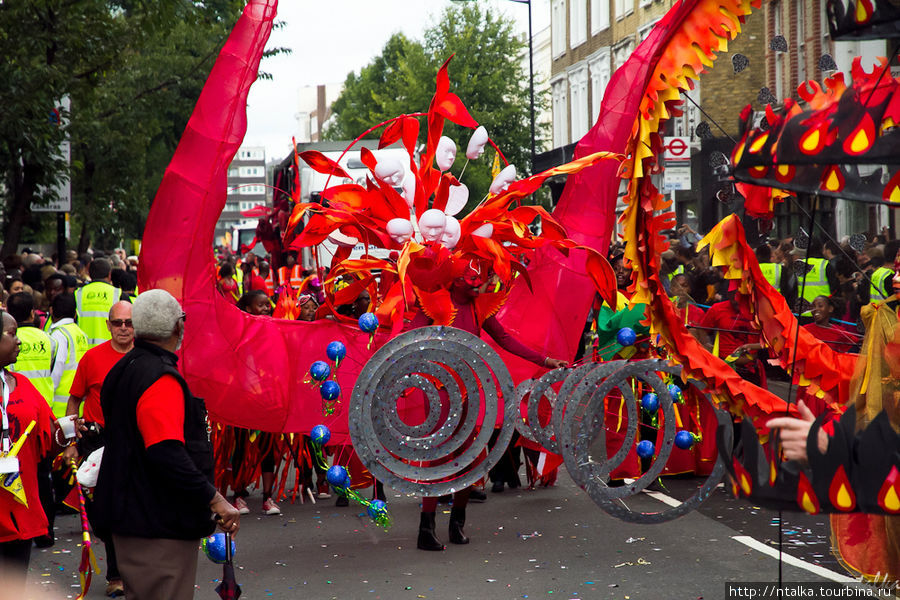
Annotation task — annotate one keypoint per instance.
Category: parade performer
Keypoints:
(469, 303)
(154, 493)
(21, 516)
(84, 398)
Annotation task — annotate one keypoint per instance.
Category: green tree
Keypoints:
(485, 73)
(133, 70)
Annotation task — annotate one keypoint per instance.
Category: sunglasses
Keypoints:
(303, 299)
(119, 322)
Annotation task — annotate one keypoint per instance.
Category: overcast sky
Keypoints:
(330, 38)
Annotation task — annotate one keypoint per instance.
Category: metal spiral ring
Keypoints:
(463, 382)
(582, 426)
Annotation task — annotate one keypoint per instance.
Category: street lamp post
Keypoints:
(530, 73)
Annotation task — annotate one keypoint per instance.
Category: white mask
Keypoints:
(390, 171)
(456, 199)
(400, 230)
(476, 143)
(451, 234)
(445, 153)
(432, 224)
(503, 179)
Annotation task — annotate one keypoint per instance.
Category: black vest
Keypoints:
(129, 500)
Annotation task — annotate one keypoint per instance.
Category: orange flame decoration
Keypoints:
(892, 189)
(806, 497)
(785, 173)
(813, 140)
(864, 11)
(861, 139)
(773, 472)
(840, 493)
(744, 480)
(889, 495)
(833, 179)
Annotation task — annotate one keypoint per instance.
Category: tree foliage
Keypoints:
(485, 73)
(132, 70)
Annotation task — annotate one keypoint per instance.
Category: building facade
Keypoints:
(246, 189)
(590, 39)
(803, 25)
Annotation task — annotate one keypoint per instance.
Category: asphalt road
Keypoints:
(544, 543)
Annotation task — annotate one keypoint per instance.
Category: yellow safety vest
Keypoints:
(36, 360)
(772, 273)
(78, 345)
(678, 271)
(816, 282)
(92, 303)
(875, 291)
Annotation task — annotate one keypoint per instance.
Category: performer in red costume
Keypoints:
(464, 294)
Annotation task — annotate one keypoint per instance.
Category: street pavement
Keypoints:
(544, 543)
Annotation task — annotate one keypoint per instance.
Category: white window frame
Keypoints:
(624, 8)
(558, 20)
(600, 67)
(559, 87)
(644, 30)
(577, 22)
(579, 112)
(622, 50)
(599, 16)
(778, 29)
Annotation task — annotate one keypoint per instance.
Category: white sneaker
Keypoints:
(241, 505)
(270, 508)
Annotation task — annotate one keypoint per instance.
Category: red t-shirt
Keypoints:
(92, 370)
(257, 283)
(721, 315)
(18, 522)
(160, 412)
(838, 339)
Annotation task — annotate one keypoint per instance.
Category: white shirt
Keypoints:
(62, 349)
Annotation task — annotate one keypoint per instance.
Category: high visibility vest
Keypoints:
(816, 282)
(239, 275)
(36, 360)
(875, 288)
(679, 270)
(78, 345)
(772, 273)
(92, 303)
(270, 283)
(292, 276)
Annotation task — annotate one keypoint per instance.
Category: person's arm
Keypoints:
(514, 346)
(160, 417)
(59, 360)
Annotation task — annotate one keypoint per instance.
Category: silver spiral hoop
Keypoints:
(463, 389)
(579, 424)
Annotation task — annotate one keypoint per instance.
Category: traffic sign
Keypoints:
(676, 148)
(677, 178)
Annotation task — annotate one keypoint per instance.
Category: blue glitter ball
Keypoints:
(319, 370)
(376, 507)
(338, 476)
(650, 402)
(674, 391)
(214, 547)
(320, 435)
(330, 390)
(626, 336)
(684, 439)
(336, 351)
(368, 322)
(645, 449)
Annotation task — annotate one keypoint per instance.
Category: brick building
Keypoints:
(590, 39)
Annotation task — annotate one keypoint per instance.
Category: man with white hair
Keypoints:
(155, 494)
